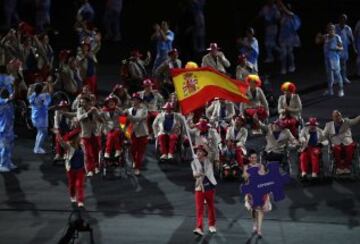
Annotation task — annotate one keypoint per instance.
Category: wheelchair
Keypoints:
(284, 158)
(118, 167)
(355, 164)
(179, 155)
(324, 174)
(228, 167)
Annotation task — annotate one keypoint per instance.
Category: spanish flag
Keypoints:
(195, 87)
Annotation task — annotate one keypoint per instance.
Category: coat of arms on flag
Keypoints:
(191, 84)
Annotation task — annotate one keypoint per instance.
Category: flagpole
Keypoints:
(189, 136)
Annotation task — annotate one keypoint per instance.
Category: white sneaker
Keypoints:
(40, 151)
(4, 169)
(198, 231)
(137, 172)
(72, 199)
(314, 175)
(97, 171)
(57, 157)
(164, 156)
(283, 71)
(212, 229)
(13, 166)
(90, 174)
(106, 155)
(170, 156)
(80, 204)
(117, 153)
(303, 174)
(292, 69)
(329, 93)
(339, 171)
(341, 93)
(347, 171)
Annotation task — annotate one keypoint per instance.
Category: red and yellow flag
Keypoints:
(195, 87)
(125, 126)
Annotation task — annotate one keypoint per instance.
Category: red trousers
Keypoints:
(209, 196)
(310, 155)
(113, 141)
(150, 119)
(91, 83)
(138, 147)
(76, 182)
(343, 155)
(92, 149)
(291, 124)
(168, 143)
(239, 156)
(58, 148)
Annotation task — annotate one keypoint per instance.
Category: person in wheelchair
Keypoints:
(236, 137)
(63, 123)
(290, 107)
(220, 113)
(258, 105)
(311, 140)
(167, 128)
(277, 139)
(111, 129)
(339, 133)
(228, 158)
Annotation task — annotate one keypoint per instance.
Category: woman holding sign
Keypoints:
(257, 213)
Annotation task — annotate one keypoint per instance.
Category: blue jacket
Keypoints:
(39, 109)
(6, 119)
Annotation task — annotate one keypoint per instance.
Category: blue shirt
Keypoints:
(289, 26)
(168, 122)
(346, 37)
(330, 45)
(313, 140)
(39, 109)
(6, 117)
(165, 46)
(252, 52)
(276, 134)
(77, 160)
(7, 81)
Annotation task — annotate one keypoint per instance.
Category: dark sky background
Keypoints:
(225, 19)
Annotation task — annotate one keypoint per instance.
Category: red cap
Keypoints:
(202, 147)
(64, 54)
(63, 104)
(25, 28)
(136, 95)
(312, 122)
(168, 106)
(147, 83)
(173, 51)
(118, 87)
(136, 53)
(110, 98)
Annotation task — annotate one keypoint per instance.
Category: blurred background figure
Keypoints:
(112, 20)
